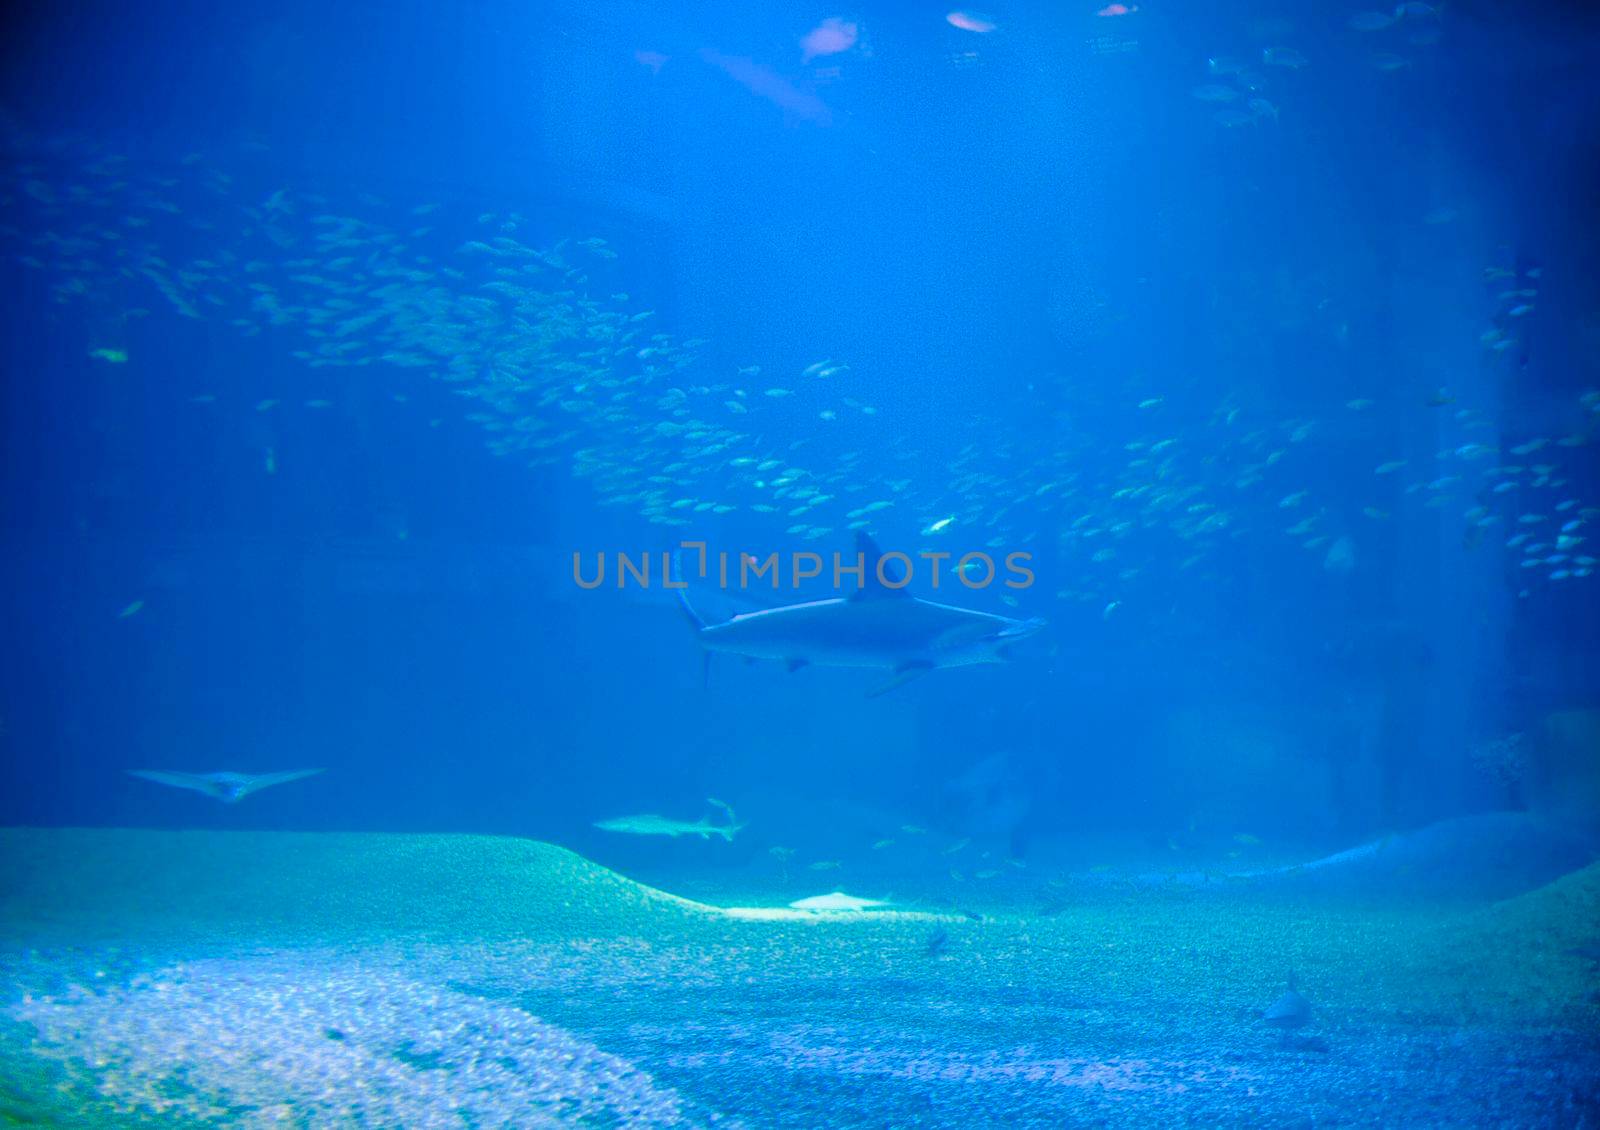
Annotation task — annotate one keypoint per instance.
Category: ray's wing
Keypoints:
(267, 780)
(179, 780)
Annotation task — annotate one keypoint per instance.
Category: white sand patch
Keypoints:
(311, 1040)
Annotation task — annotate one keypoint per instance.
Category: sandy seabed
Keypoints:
(261, 979)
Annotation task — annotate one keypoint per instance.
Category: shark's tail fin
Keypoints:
(726, 831)
(682, 589)
(690, 614)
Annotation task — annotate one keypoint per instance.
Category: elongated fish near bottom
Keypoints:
(649, 824)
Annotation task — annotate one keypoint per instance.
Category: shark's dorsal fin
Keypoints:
(871, 587)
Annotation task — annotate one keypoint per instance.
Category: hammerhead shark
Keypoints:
(229, 788)
(879, 625)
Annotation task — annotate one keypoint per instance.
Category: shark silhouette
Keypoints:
(879, 626)
(649, 824)
(229, 788)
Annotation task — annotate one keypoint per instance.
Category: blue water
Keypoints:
(339, 342)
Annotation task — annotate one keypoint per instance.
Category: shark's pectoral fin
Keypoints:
(903, 674)
(793, 665)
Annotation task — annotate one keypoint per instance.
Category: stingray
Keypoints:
(836, 901)
(1288, 1012)
(229, 788)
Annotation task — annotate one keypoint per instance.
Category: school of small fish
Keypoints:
(1237, 86)
(557, 365)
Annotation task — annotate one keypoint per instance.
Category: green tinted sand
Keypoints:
(287, 887)
(1532, 955)
(166, 975)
